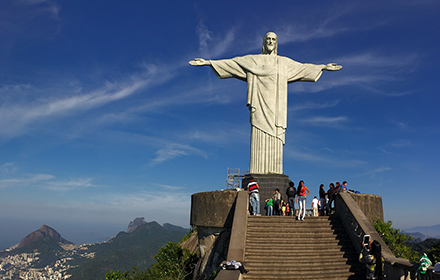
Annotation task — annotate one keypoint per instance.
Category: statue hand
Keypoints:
(199, 62)
(332, 67)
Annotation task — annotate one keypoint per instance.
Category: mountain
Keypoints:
(171, 227)
(127, 250)
(46, 242)
(43, 232)
(135, 223)
(418, 236)
(424, 246)
(428, 231)
(44, 252)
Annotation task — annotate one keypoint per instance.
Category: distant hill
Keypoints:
(418, 236)
(41, 233)
(424, 246)
(46, 241)
(175, 228)
(424, 232)
(90, 262)
(127, 250)
(135, 223)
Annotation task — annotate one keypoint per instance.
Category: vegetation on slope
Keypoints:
(125, 251)
(173, 263)
(402, 246)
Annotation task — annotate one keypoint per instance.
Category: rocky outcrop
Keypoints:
(134, 224)
(43, 232)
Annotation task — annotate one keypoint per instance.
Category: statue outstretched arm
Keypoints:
(332, 67)
(199, 62)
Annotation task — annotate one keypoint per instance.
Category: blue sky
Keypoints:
(102, 119)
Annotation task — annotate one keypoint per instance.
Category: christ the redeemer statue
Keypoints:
(267, 75)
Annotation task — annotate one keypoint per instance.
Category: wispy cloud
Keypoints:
(401, 143)
(72, 184)
(25, 181)
(39, 181)
(28, 20)
(209, 46)
(321, 159)
(8, 168)
(16, 117)
(376, 171)
(313, 105)
(174, 150)
(325, 121)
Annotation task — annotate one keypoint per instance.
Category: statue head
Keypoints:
(270, 43)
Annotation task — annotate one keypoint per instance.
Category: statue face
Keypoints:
(270, 42)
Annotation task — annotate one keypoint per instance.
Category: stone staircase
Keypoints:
(280, 247)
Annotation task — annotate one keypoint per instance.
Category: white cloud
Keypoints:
(18, 116)
(320, 159)
(401, 143)
(174, 150)
(27, 180)
(313, 105)
(325, 121)
(8, 168)
(45, 181)
(376, 171)
(72, 184)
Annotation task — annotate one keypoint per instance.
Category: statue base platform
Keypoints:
(268, 183)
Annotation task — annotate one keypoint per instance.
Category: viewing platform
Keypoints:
(281, 247)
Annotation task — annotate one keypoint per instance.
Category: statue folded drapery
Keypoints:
(267, 76)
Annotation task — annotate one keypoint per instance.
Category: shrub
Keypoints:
(395, 239)
(173, 263)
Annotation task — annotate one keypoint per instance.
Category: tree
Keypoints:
(434, 253)
(395, 239)
(173, 263)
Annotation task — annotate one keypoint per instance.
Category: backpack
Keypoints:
(291, 191)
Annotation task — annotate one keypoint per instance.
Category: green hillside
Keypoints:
(125, 251)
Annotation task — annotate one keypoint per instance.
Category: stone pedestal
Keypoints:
(268, 183)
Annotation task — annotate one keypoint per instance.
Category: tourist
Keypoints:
(331, 196)
(301, 199)
(276, 202)
(371, 256)
(254, 196)
(269, 206)
(291, 193)
(322, 200)
(344, 186)
(283, 208)
(315, 203)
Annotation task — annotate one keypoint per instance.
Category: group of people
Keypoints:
(275, 205)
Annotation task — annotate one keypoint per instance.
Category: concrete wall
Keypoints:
(370, 204)
(213, 209)
(213, 214)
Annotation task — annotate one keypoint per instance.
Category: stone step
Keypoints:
(300, 268)
(300, 259)
(296, 247)
(290, 218)
(294, 251)
(312, 226)
(329, 275)
(295, 228)
(280, 247)
(295, 235)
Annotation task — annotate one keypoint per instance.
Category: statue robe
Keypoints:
(267, 77)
